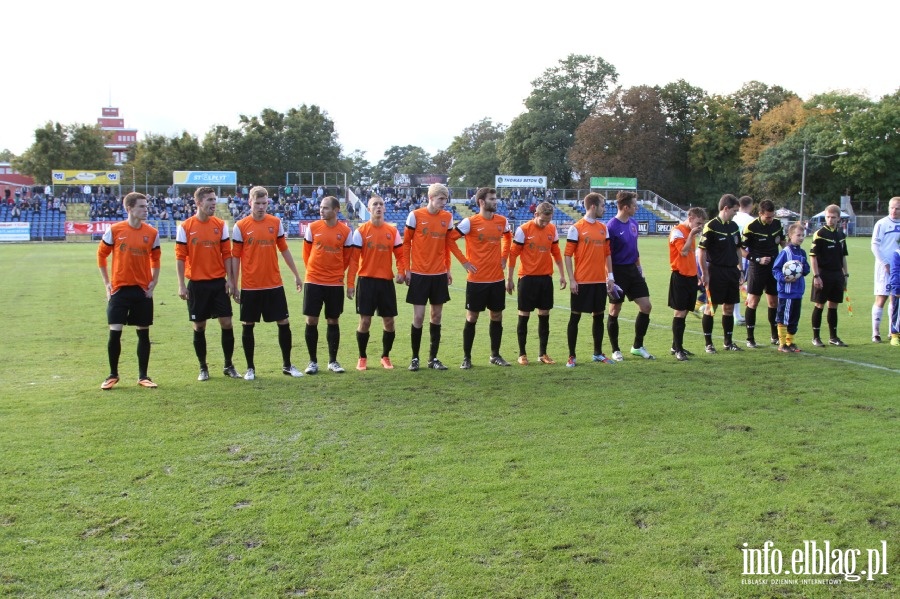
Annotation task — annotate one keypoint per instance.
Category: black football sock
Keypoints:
(572, 332)
(228, 346)
(773, 326)
(641, 324)
(249, 344)
(362, 342)
(707, 323)
(816, 322)
(285, 341)
(727, 327)
(333, 337)
(678, 326)
(143, 352)
(415, 340)
(750, 319)
(522, 332)
(468, 339)
(597, 332)
(435, 333)
(311, 334)
(495, 332)
(612, 328)
(387, 342)
(200, 346)
(832, 322)
(543, 332)
(114, 349)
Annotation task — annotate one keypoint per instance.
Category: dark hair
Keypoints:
(727, 201)
(625, 198)
(202, 191)
(484, 192)
(593, 199)
(766, 206)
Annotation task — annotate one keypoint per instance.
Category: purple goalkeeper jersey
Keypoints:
(623, 240)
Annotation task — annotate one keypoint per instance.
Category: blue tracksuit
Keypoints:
(790, 295)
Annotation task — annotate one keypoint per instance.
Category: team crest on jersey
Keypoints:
(146, 239)
(387, 236)
(339, 237)
(443, 225)
(216, 230)
(271, 229)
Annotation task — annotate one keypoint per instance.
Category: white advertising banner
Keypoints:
(520, 181)
(15, 231)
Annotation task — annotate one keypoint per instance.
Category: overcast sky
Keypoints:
(399, 72)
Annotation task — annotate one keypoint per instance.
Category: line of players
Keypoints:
(601, 260)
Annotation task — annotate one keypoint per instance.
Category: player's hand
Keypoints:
(150, 287)
(817, 282)
(765, 260)
(399, 278)
(236, 295)
(229, 288)
(183, 292)
(510, 286)
(470, 267)
(350, 292)
(407, 278)
(562, 282)
(449, 278)
(299, 283)
(573, 287)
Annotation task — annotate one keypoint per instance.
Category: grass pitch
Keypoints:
(641, 479)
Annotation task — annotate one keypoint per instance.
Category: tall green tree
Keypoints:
(406, 160)
(715, 149)
(59, 146)
(627, 138)
(538, 141)
(680, 105)
(475, 154)
(6, 155)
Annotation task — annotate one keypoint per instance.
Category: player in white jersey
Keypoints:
(885, 239)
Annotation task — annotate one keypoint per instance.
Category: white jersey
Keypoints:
(742, 219)
(885, 238)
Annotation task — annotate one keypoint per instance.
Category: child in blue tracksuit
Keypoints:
(790, 294)
(894, 287)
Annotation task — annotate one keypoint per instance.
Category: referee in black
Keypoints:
(763, 239)
(828, 260)
(719, 255)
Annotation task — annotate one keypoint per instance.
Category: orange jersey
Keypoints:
(203, 247)
(426, 243)
(373, 247)
(685, 265)
(256, 245)
(536, 247)
(487, 246)
(326, 253)
(588, 244)
(134, 253)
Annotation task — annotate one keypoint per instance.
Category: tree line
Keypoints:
(678, 140)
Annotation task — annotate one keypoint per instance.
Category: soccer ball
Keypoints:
(792, 270)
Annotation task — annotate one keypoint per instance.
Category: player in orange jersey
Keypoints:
(134, 246)
(488, 239)
(587, 245)
(683, 281)
(537, 244)
(426, 262)
(375, 246)
(257, 240)
(203, 255)
(327, 248)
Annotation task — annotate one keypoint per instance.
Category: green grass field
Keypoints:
(643, 479)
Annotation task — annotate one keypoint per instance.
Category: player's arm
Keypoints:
(557, 257)
(704, 267)
(814, 266)
(289, 260)
(505, 246)
(179, 271)
(352, 262)
(408, 235)
(398, 258)
(573, 284)
(454, 234)
(155, 257)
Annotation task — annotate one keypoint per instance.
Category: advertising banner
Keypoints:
(520, 181)
(201, 178)
(92, 228)
(86, 177)
(15, 231)
(613, 183)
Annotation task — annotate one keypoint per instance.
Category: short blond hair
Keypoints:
(258, 192)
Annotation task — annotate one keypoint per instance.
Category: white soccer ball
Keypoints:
(792, 270)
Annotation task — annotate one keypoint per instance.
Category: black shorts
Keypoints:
(832, 288)
(591, 297)
(535, 292)
(428, 288)
(207, 299)
(761, 280)
(485, 295)
(632, 282)
(376, 296)
(271, 304)
(130, 305)
(682, 292)
(724, 285)
(315, 296)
